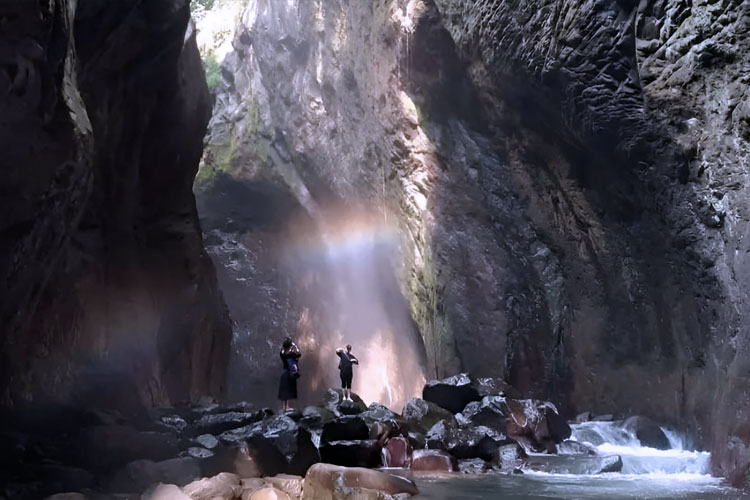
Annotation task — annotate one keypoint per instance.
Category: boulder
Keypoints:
(535, 424)
(334, 402)
(611, 464)
(329, 482)
(473, 466)
(197, 452)
(417, 440)
(244, 463)
(165, 492)
(294, 413)
(316, 416)
(452, 393)
(277, 444)
(648, 432)
(269, 493)
(207, 441)
(433, 461)
(580, 465)
(359, 453)
(174, 422)
(225, 486)
(290, 484)
(349, 427)
(381, 431)
(377, 412)
(469, 442)
(422, 415)
(493, 386)
(398, 452)
(140, 474)
(250, 485)
(221, 422)
(508, 456)
(490, 412)
(557, 427)
(570, 447)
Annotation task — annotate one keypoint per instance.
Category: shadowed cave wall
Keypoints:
(108, 296)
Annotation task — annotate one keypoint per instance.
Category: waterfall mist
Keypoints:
(349, 294)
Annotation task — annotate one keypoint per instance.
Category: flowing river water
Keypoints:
(647, 473)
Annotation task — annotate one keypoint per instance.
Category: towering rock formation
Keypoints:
(108, 297)
(567, 181)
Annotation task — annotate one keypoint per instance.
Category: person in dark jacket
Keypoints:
(346, 360)
(290, 355)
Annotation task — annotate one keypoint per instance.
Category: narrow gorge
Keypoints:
(551, 195)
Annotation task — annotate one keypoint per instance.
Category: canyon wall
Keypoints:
(565, 180)
(108, 296)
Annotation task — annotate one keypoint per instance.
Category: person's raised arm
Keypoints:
(339, 351)
(295, 350)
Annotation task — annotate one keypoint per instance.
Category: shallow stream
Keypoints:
(647, 473)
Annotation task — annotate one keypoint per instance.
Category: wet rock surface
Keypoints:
(277, 444)
(334, 402)
(473, 442)
(509, 457)
(422, 415)
(433, 461)
(452, 393)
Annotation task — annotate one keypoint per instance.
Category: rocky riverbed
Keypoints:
(461, 425)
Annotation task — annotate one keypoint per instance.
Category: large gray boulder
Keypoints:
(465, 442)
(277, 443)
(452, 393)
(422, 415)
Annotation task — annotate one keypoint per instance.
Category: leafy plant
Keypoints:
(213, 71)
(203, 4)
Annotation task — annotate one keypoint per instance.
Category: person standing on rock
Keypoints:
(346, 360)
(290, 353)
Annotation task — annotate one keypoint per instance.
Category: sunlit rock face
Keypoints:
(565, 180)
(108, 298)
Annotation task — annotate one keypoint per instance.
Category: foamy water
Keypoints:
(647, 474)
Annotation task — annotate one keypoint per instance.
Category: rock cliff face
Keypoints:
(566, 179)
(108, 296)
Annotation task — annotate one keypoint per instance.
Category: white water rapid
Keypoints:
(647, 473)
(610, 438)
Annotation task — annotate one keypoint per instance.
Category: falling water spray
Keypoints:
(349, 294)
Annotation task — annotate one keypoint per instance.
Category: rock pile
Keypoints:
(462, 424)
